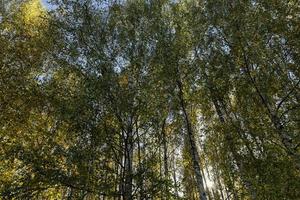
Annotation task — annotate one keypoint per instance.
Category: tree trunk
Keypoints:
(192, 143)
(233, 151)
(165, 160)
(127, 193)
(141, 168)
(276, 121)
(174, 176)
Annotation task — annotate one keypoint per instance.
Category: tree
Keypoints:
(149, 99)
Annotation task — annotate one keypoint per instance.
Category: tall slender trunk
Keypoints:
(141, 168)
(229, 139)
(193, 148)
(127, 195)
(220, 187)
(165, 161)
(205, 185)
(233, 151)
(174, 176)
(117, 175)
(273, 116)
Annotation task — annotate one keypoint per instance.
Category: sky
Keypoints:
(46, 4)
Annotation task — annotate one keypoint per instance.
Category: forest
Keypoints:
(149, 100)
